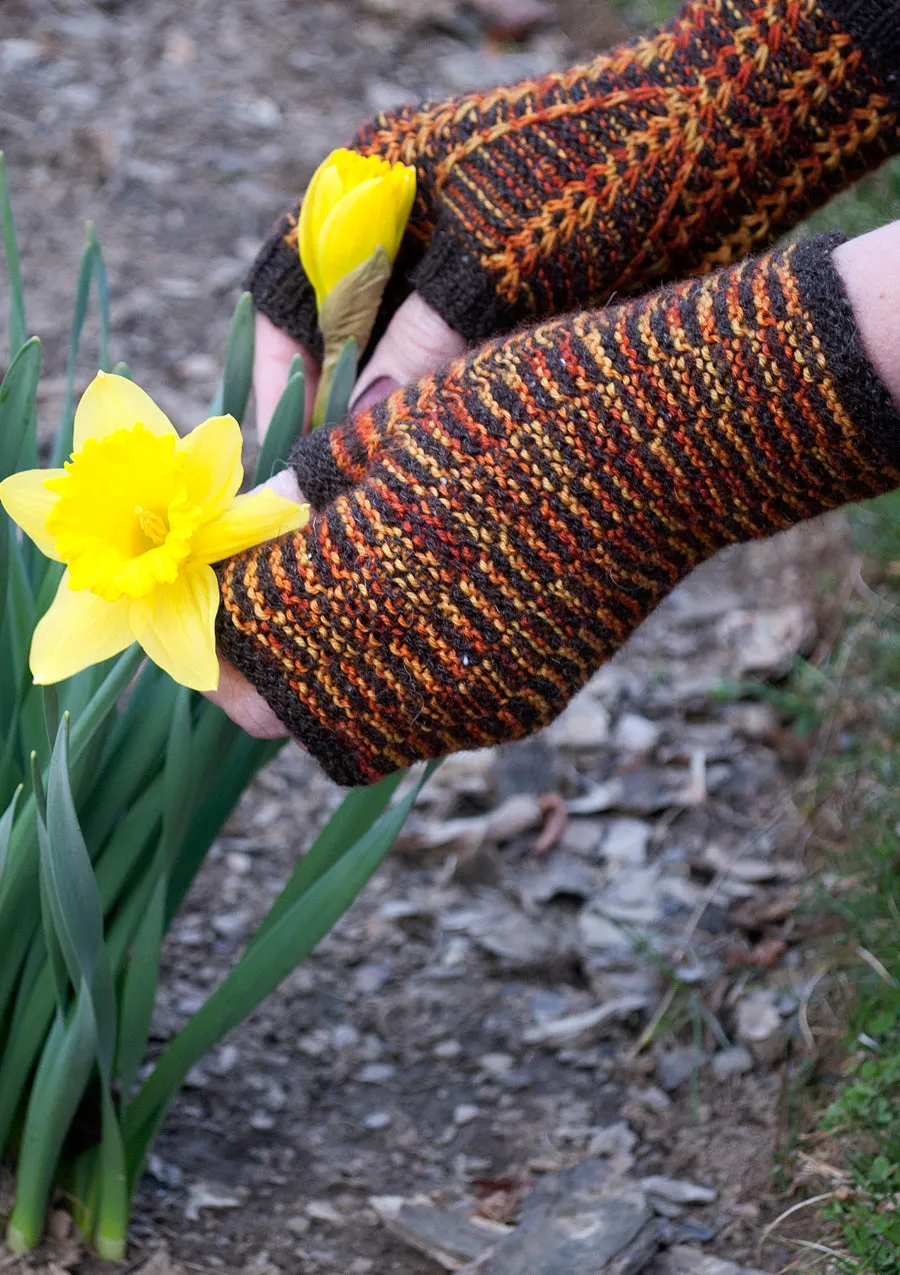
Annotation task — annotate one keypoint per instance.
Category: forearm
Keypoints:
(673, 154)
(538, 499)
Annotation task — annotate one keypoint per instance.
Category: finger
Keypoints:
(246, 708)
(274, 352)
(416, 342)
(284, 483)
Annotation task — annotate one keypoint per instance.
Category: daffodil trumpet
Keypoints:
(138, 515)
(351, 226)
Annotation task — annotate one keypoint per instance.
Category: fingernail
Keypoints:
(374, 393)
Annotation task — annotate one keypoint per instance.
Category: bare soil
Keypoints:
(405, 1058)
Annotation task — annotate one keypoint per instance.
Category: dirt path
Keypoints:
(431, 1047)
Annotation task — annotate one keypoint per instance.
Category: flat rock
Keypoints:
(677, 1191)
(636, 734)
(682, 1259)
(626, 841)
(586, 1220)
(765, 642)
(586, 1023)
(584, 724)
(449, 1237)
(566, 877)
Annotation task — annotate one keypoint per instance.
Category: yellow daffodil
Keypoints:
(137, 515)
(354, 206)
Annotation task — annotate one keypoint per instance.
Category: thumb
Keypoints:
(416, 342)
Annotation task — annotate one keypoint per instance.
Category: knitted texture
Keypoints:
(672, 155)
(528, 507)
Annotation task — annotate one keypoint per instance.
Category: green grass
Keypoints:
(855, 698)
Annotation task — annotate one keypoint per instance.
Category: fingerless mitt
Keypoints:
(672, 155)
(512, 520)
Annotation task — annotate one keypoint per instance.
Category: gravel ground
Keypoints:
(586, 946)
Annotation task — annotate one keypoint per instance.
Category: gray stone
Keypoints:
(376, 1073)
(584, 724)
(586, 1220)
(678, 1192)
(732, 1062)
(636, 734)
(681, 1259)
(626, 841)
(757, 1017)
(675, 1066)
(496, 1064)
(588, 1022)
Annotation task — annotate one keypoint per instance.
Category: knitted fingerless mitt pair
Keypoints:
(496, 532)
(671, 155)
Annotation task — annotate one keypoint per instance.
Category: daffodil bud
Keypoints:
(351, 225)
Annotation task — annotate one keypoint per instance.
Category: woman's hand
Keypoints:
(245, 706)
(416, 342)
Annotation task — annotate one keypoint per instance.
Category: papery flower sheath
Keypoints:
(354, 205)
(138, 514)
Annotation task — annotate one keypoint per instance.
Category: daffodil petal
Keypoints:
(213, 469)
(249, 520)
(403, 178)
(113, 402)
(353, 168)
(364, 219)
(324, 191)
(28, 502)
(78, 630)
(175, 624)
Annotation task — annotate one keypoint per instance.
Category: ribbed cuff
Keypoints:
(321, 476)
(862, 391)
(464, 294)
(875, 25)
(281, 290)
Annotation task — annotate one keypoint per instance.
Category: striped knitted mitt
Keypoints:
(513, 518)
(672, 155)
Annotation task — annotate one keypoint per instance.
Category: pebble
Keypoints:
(323, 1211)
(376, 1073)
(382, 95)
(465, 1113)
(227, 1059)
(626, 841)
(239, 863)
(732, 1062)
(675, 1066)
(370, 978)
(584, 724)
(345, 1036)
(232, 925)
(636, 734)
(653, 1098)
(496, 1064)
(676, 1191)
(583, 836)
(447, 1049)
(615, 1140)
(757, 1017)
(298, 1225)
(378, 1120)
